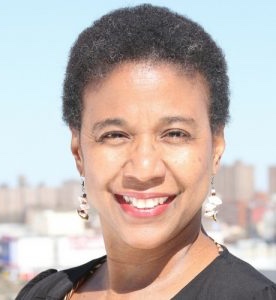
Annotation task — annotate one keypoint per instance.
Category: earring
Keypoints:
(84, 207)
(212, 203)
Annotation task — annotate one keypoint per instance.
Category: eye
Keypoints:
(176, 136)
(113, 137)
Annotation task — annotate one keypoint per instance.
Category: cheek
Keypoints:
(101, 166)
(191, 165)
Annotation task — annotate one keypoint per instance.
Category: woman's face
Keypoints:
(147, 152)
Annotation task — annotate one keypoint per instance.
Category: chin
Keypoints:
(145, 243)
(147, 238)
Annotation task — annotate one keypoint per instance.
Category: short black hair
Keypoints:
(140, 33)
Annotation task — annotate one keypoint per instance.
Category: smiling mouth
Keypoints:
(148, 203)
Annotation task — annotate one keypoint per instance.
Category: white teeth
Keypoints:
(134, 202)
(127, 199)
(145, 203)
(162, 200)
(139, 203)
(151, 203)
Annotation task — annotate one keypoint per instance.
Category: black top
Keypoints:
(226, 278)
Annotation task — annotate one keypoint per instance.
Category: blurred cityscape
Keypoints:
(39, 227)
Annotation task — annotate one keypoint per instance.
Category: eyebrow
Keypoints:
(108, 122)
(120, 122)
(178, 119)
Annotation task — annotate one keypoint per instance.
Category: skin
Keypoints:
(145, 129)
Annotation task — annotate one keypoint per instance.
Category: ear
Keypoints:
(76, 150)
(218, 148)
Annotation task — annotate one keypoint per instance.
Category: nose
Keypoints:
(144, 165)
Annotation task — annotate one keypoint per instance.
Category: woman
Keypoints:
(146, 99)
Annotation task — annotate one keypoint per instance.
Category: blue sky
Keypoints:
(35, 40)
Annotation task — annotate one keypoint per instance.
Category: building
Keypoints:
(16, 202)
(235, 184)
(272, 180)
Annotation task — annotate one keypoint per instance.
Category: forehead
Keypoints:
(147, 87)
(145, 71)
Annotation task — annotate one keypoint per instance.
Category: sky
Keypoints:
(36, 37)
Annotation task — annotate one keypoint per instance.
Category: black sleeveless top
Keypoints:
(226, 278)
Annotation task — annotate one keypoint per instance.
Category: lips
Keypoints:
(141, 205)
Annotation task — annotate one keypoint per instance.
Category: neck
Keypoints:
(129, 270)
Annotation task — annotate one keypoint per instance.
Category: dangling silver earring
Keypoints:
(210, 208)
(84, 207)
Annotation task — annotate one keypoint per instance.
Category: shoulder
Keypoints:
(227, 278)
(31, 285)
(239, 278)
(237, 267)
(55, 284)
